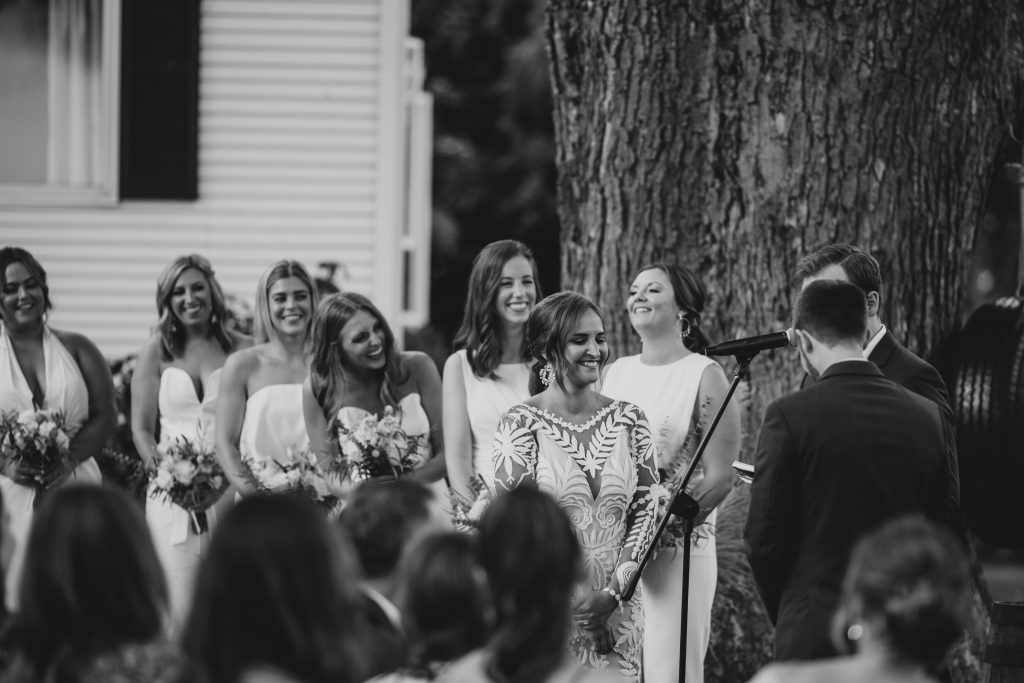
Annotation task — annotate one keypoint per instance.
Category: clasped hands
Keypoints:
(26, 474)
(591, 613)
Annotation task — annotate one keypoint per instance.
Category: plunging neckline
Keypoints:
(41, 403)
(197, 383)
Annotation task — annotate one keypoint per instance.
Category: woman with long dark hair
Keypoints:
(174, 394)
(276, 599)
(93, 598)
(490, 370)
(357, 371)
(680, 390)
(595, 456)
(259, 409)
(42, 368)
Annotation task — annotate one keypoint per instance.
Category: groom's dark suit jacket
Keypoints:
(833, 462)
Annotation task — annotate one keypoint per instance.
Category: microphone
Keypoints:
(752, 345)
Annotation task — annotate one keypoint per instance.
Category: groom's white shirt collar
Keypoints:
(873, 342)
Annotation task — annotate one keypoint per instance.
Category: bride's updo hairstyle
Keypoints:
(481, 330)
(172, 333)
(329, 363)
(263, 326)
(690, 295)
(548, 329)
(909, 582)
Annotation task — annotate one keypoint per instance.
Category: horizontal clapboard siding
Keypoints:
(293, 162)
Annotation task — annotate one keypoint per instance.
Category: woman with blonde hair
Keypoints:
(174, 395)
(259, 410)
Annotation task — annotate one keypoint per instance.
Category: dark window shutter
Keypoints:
(159, 99)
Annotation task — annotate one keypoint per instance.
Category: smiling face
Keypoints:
(517, 291)
(586, 351)
(363, 341)
(23, 300)
(291, 306)
(651, 303)
(190, 298)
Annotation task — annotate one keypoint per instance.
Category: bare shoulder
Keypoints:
(78, 344)
(243, 362)
(418, 364)
(240, 341)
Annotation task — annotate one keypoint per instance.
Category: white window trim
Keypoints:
(106, 193)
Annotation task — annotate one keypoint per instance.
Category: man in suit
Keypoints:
(852, 264)
(835, 460)
(381, 518)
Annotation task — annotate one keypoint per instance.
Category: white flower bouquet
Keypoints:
(187, 474)
(300, 475)
(36, 438)
(467, 512)
(371, 446)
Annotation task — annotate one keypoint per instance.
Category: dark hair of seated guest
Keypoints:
(380, 518)
(278, 590)
(91, 583)
(445, 600)
(533, 562)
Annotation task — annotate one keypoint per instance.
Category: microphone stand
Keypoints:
(684, 506)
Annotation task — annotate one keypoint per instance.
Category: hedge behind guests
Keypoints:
(93, 600)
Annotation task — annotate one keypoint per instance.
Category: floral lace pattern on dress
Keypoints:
(601, 473)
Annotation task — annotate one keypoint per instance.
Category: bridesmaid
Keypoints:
(490, 371)
(174, 394)
(46, 368)
(259, 410)
(357, 367)
(680, 390)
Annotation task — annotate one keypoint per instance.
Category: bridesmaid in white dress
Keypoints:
(680, 390)
(357, 369)
(43, 368)
(595, 457)
(259, 410)
(490, 372)
(175, 386)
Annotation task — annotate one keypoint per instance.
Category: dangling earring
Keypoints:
(687, 329)
(547, 375)
(855, 631)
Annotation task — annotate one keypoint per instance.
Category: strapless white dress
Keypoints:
(65, 391)
(273, 427)
(179, 547)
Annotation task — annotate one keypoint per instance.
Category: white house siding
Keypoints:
(300, 145)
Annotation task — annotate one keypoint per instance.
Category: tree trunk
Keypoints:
(736, 136)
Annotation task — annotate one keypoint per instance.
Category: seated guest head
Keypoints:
(848, 263)
(351, 337)
(190, 280)
(277, 591)
(550, 330)
(285, 300)
(533, 562)
(830, 323)
(381, 517)
(91, 583)
(21, 265)
(444, 598)
(905, 594)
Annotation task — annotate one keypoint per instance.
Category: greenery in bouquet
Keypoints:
(372, 446)
(187, 474)
(467, 512)
(36, 439)
(301, 475)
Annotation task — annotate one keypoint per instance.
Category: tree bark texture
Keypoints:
(735, 136)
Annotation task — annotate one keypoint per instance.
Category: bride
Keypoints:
(357, 371)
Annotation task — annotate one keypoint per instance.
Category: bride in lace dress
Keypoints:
(596, 458)
(357, 371)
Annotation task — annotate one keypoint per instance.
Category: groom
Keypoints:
(835, 460)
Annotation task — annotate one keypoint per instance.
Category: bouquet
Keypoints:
(37, 438)
(301, 475)
(373, 447)
(467, 512)
(188, 475)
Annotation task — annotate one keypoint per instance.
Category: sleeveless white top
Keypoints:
(182, 412)
(487, 400)
(273, 427)
(66, 391)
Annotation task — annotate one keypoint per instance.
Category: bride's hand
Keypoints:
(600, 638)
(593, 609)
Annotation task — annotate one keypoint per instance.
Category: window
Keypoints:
(58, 113)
